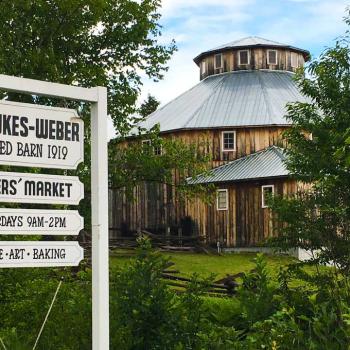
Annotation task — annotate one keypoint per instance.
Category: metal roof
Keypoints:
(263, 164)
(251, 41)
(234, 99)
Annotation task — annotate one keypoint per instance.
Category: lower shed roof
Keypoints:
(263, 164)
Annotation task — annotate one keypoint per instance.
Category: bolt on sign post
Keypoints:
(50, 137)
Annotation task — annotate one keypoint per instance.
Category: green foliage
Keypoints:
(87, 43)
(90, 43)
(319, 217)
(148, 106)
(25, 298)
(144, 308)
(256, 295)
(147, 314)
(157, 162)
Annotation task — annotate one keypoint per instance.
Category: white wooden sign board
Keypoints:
(97, 96)
(40, 136)
(38, 188)
(40, 222)
(39, 254)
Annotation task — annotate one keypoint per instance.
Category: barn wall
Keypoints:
(249, 140)
(245, 223)
(157, 208)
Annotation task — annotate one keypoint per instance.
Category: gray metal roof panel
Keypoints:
(249, 41)
(263, 164)
(234, 99)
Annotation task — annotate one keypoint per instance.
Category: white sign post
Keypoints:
(99, 174)
(40, 222)
(40, 254)
(40, 136)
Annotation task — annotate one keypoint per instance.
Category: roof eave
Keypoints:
(243, 180)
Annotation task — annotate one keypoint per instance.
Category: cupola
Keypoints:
(251, 53)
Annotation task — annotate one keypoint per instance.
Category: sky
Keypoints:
(199, 25)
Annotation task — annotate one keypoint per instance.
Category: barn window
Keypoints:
(266, 192)
(271, 56)
(294, 59)
(218, 61)
(222, 199)
(157, 149)
(243, 57)
(203, 67)
(228, 141)
(146, 143)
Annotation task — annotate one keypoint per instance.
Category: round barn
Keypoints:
(238, 110)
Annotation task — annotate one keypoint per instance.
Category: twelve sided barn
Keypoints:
(238, 111)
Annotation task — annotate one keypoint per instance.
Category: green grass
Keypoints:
(205, 265)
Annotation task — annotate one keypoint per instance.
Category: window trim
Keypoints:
(234, 143)
(221, 61)
(296, 59)
(149, 143)
(239, 58)
(263, 204)
(203, 67)
(268, 58)
(224, 190)
(160, 147)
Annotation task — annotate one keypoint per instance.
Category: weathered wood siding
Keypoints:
(258, 60)
(248, 140)
(157, 207)
(245, 223)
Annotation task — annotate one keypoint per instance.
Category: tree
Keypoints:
(319, 218)
(135, 161)
(148, 106)
(87, 43)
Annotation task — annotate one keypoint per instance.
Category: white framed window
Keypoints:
(243, 57)
(157, 150)
(146, 142)
(228, 141)
(294, 59)
(203, 67)
(271, 56)
(218, 61)
(222, 199)
(266, 192)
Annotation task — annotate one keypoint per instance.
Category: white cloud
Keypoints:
(316, 25)
(199, 25)
(174, 8)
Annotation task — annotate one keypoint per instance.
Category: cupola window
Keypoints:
(266, 192)
(271, 56)
(203, 67)
(294, 59)
(218, 61)
(228, 141)
(243, 57)
(222, 199)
